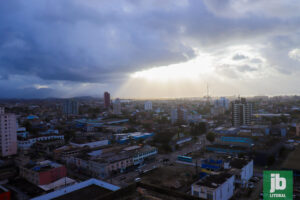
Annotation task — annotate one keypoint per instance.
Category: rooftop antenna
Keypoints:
(207, 93)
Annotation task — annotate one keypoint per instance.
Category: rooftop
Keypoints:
(89, 189)
(89, 192)
(214, 181)
(42, 166)
(228, 147)
(238, 163)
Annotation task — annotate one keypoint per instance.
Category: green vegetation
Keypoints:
(198, 129)
(210, 137)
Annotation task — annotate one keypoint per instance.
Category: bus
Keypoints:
(185, 159)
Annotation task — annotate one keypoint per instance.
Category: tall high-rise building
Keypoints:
(179, 115)
(8, 133)
(222, 102)
(174, 115)
(241, 112)
(148, 105)
(70, 107)
(117, 107)
(106, 100)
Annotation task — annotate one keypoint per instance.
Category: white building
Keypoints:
(214, 187)
(8, 133)
(242, 169)
(26, 144)
(148, 105)
(117, 107)
(96, 144)
(144, 153)
(241, 112)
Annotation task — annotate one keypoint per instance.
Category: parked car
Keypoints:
(137, 179)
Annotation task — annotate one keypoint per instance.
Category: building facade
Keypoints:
(214, 187)
(241, 112)
(148, 105)
(143, 154)
(8, 133)
(27, 143)
(43, 173)
(106, 100)
(92, 167)
(70, 107)
(117, 107)
(178, 115)
(244, 168)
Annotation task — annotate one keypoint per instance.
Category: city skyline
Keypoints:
(149, 49)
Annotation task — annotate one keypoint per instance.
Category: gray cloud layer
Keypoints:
(103, 41)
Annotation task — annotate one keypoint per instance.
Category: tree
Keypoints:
(210, 136)
(198, 129)
(69, 134)
(202, 127)
(283, 118)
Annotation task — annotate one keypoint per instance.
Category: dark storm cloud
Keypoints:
(70, 40)
(104, 41)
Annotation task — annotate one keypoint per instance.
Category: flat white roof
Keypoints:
(59, 183)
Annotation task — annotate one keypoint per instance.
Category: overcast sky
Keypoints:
(149, 48)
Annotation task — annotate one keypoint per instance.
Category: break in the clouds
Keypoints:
(78, 47)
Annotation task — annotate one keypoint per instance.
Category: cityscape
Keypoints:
(112, 148)
(149, 100)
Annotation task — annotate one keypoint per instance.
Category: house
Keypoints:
(43, 173)
(215, 187)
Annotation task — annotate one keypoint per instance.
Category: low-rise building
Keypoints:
(143, 154)
(27, 143)
(95, 168)
(43, 173)
(214, 187)
(242, 168)
(227, 149)
(119, 163)
(94, 144)
(235, 140)
(65, 152)
(126, 137)
(48, 145)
